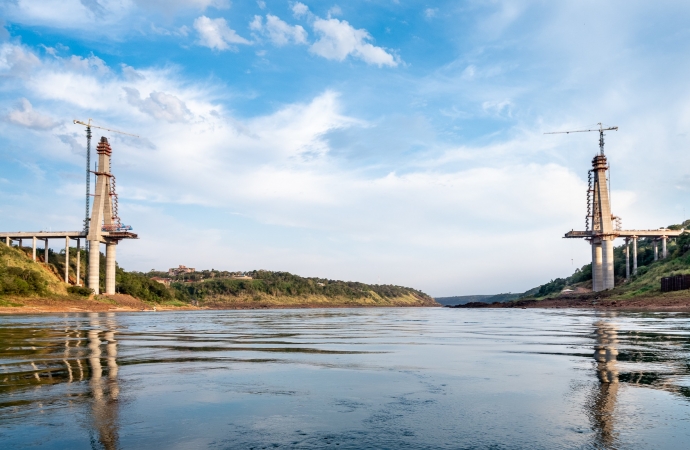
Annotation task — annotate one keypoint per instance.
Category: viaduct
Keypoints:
(605, 228)
(103, 227)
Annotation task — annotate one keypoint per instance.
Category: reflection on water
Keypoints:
(37, 357)
(379, 378)
(104, 392)
(604, 401)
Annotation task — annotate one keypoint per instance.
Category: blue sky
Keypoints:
(380, 141)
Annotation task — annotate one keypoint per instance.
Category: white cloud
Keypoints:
(278, 31)
(168, 5)
(102, 17)
(16, 60)
(300, 9)
(430, 13)
(87, 64)
(75, 146)
(131, 73)
(338, 39)
(25, 116)
(498, 107)
(334, 11)
(215, 34)
(159, 105)
(261, 4)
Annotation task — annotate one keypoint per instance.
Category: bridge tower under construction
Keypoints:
(104, 226)
(602, 227)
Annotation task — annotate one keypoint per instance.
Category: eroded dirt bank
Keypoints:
(673, 301)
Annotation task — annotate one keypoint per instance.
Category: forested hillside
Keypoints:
(21, 277)
(268, 288)
(649, 273)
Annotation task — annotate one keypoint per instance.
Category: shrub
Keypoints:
(138, 285)
(82, 291)
(23, 282)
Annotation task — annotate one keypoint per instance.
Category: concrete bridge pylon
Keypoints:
(603, 227)
(104, 225)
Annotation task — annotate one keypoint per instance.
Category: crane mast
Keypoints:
(596, 177)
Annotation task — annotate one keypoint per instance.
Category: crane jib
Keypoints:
(90, 125)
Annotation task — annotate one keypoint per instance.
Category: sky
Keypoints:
(382, 141)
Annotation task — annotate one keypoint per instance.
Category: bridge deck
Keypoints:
(627, 233)
(42, 234)
(63, 234)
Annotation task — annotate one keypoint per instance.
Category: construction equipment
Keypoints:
(88, 126)
(592, 205)
(601, 130)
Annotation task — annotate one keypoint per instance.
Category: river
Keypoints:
(389, 378)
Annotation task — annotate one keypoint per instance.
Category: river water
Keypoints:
(398, 378)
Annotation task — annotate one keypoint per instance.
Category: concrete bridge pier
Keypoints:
(110, 250)
(67, 259)
(664, 252)
(78, 283)
(597, 275)
(634, 239)
(627, 258)
(607, 263)
(91, 275)
(94, 262)
(656, 250)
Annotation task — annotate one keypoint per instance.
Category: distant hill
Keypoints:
(461, 299)
(266, 289)
(22, 279)
(464, 299)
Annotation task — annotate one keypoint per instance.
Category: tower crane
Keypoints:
(601, 130)
(593, 206)
(88, 126)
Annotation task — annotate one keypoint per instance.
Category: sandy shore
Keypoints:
(126, 303)
(117, 302)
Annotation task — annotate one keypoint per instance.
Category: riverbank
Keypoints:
(101, 303)
(671, 301)
(127, 303)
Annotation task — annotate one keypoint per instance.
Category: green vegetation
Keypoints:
(556, 286)
(80, 290)
(647, 281)
(142, 287)
(8, 303)
(19, 277)
(272, 286)
(464, 299)
(22, 282)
